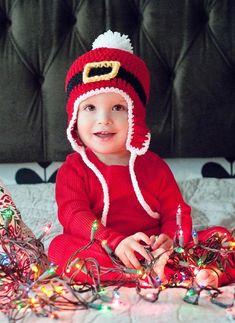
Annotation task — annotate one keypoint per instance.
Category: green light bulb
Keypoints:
(7, 214)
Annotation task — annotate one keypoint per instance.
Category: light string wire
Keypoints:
(29, 283)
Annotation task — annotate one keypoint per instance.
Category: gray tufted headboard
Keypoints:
(189, 46)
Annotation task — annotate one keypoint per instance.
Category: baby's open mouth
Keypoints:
(104, 134)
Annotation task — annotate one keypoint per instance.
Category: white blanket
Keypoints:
(213, 203)
(170, 308)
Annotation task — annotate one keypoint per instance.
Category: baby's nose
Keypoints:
(104, 118)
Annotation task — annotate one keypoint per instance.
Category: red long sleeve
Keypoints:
(79, 197)
(77, 207)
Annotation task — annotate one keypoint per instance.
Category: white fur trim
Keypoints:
(72, 140)
(143, 149)
(137, 189)
(111, 39)
(137, 151)
(94, 92)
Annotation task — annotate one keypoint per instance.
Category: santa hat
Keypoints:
(111, 66)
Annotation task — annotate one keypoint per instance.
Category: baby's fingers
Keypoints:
(140, 236)
(162, 241)
(133, 262)
(141, 250)
(206, 277)
(159, 266)
(130, 261)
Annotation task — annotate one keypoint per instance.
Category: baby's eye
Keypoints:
(119, 107)
(89, 107)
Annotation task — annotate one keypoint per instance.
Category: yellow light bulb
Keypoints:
(104, 242)
(33, 300)
(34, 268)
(232, 244)
(59, 289)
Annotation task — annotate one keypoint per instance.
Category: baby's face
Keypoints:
(102, 123)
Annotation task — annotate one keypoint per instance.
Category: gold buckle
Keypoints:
(115, 65)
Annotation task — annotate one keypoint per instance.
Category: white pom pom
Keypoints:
(113, 40)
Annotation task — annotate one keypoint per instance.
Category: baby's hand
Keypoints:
(162, 241)
(207, 277)
(127, 247)
(162, 247)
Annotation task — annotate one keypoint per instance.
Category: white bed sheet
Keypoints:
(170, 308)
(213, 203)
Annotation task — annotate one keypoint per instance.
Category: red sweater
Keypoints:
(79, 197)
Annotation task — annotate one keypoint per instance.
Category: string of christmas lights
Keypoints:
(29, 283)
